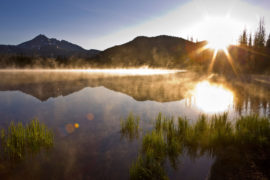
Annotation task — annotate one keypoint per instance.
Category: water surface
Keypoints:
(96, 102)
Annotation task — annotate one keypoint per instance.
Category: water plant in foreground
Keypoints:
(130, 127)
(240, 149)
(20, 140)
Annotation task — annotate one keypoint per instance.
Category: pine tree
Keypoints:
(250, 40)
(243, 40)
(259, 38)
(268, 42)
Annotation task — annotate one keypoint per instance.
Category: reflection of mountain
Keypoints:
(248, 96)
(45, 85)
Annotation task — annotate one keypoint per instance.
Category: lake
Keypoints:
(84, 109)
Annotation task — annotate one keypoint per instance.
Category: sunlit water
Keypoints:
(84, 111)
(212, 98)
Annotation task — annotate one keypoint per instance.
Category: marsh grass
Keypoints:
(252, 130)
(20, 140)
(130, 127)
(149, 164)
(215, 136)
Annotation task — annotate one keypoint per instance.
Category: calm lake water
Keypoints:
(95, 102)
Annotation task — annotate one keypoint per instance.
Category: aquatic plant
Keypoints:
(147, 167)
(215, 136)
(20, 140)
(252, 130)
(149, 164)
(156, 147)
(130, 127)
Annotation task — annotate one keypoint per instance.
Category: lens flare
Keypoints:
(76, 125)
(90, 116)
(69, 128)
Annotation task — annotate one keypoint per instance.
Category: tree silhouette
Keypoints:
(259, 39)
(268, 41)
(250, 40)
(243, 40)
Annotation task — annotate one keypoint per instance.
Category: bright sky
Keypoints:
(100, 24)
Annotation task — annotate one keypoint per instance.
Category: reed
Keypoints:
(130, 127)
(208, 135)
(20, 140)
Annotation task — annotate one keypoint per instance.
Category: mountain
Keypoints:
(47, 47)
(162, 51)
(159, 51)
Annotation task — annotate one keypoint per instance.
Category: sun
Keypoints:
(218, 45)
(219, 31)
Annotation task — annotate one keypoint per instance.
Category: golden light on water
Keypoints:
(115, 71)
(212, 98)
(132, 71)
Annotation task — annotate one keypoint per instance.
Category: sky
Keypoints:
(100, 24)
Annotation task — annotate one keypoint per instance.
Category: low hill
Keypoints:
(161, 51)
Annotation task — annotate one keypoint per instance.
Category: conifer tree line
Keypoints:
(252, 55)
(258, 40)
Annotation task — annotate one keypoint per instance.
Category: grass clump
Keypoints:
(155, 145)
(252, 130)
(248, 137)
(147, 167)
(20, 140)
(130, 127)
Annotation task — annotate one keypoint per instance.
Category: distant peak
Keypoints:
(64, 41)
(41, 36)
(140, 37)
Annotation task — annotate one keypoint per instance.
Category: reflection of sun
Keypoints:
(212, 98)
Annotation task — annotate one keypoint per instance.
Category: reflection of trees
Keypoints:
(251, 97)
(240, 149)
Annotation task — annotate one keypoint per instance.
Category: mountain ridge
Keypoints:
(160, 50)
(44, 52)
(43, 46)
